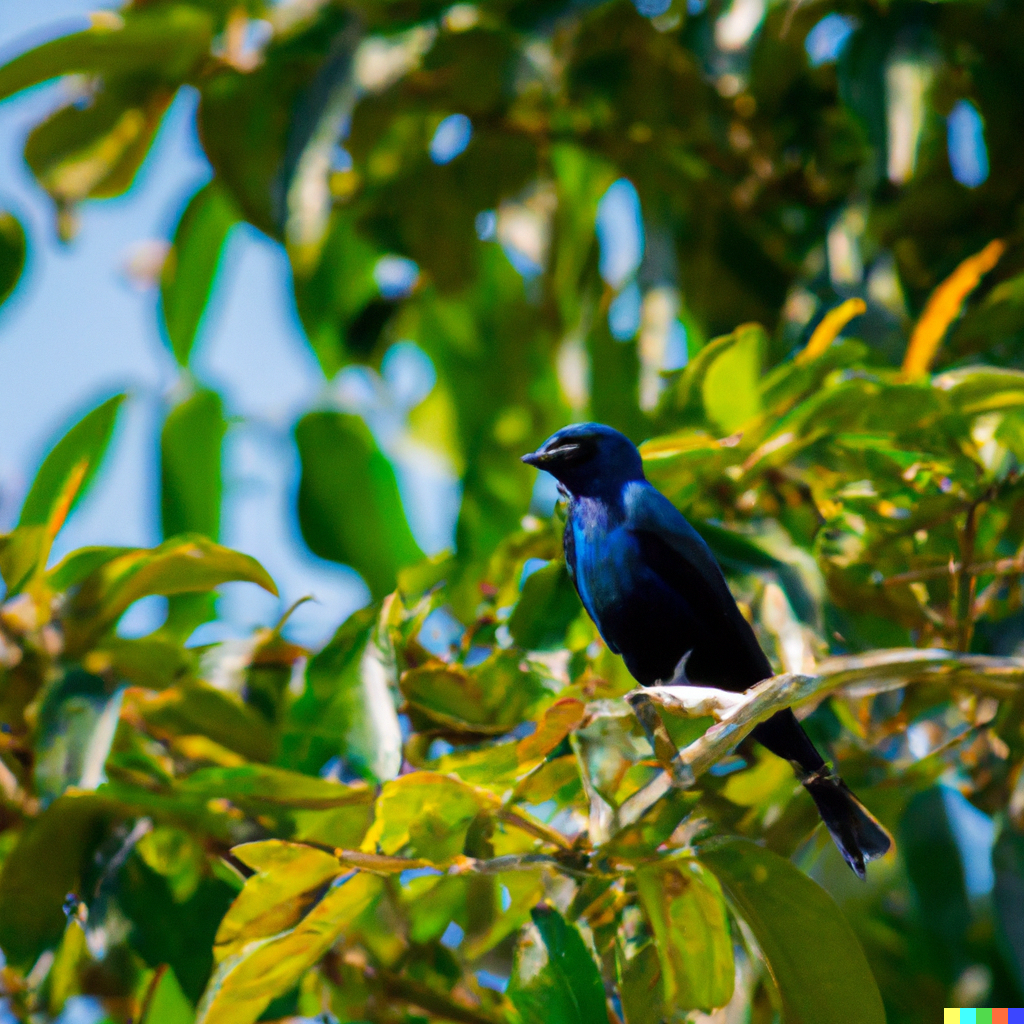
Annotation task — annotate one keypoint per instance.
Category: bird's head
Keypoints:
(588, 459)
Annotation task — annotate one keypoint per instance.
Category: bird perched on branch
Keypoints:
(657, 596)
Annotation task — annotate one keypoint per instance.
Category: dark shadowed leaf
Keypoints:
(190, 272)
(166, 42)
(53, 856)
(813, 955)
(546, 607)
(929, 847)
(555, 979)
(12, 253)
(1008, 897)
(350, 510)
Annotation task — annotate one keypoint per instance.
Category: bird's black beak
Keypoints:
(544, 457)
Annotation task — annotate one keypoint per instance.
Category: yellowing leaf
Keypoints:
(830, 327)
(185, 564)
(427, 812)
(244, 983)
(683, 902)
(944, 307)
(288, 881)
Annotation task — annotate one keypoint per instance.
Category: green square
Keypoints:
(984, 1016)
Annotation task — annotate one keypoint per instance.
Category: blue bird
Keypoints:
(657, 596)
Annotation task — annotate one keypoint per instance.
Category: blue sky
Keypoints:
(77, 330)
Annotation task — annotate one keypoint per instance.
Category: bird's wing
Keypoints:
(684, 561)
(649, 511)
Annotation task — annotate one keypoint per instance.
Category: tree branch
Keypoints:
(860, 675)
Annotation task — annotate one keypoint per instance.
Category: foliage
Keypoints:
(475, 828)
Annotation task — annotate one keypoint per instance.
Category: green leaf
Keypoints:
(168, 1004)
(350, 510)
(22, 552)
(347, 707)
(182, 565)
(340, 297)
(81, 563)
(1008, 896)
(930, 850)
(261, 786)
(12, 253)
(190, 272)
(191, 447)
(545, 609)
(812, 953)
(191, 453)
(554, 979)
(166, 42)
(495, 697)
(52, 857)
(69, 468)
(684, 905)
(95, 150)
(640, 985)
(244, 984)
(426, 814)
(730, 388)
(197, 708)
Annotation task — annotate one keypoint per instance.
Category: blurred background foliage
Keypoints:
(777, 242)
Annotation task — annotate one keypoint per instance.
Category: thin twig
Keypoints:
(999, 567)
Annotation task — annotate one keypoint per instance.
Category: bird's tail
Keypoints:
(859, 836)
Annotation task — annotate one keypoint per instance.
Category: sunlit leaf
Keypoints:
(289, 880)
(425, 813)
(944, 306)
(166, 1003)
(182, 565)
(244, 983)
(730, 388)
(70, 467)
(684, 904)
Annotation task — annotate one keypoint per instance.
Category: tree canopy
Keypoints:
(779, 244)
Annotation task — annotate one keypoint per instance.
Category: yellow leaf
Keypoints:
(828, 330)
(944, 307)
